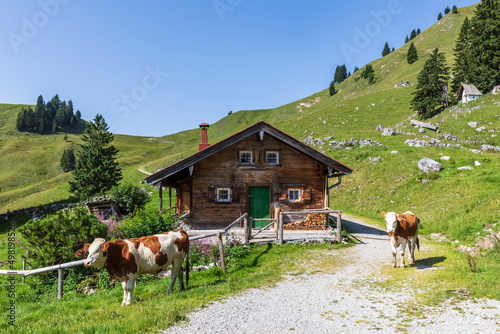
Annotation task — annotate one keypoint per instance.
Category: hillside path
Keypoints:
(344, 301)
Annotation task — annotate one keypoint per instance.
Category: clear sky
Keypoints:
(153, 68)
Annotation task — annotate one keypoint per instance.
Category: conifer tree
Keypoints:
(386, 50)
(418, 32)
(407, 39)
(332, 89)
(340, 74)
(447, 10)
(462, 67)
(67, 162)
(96, 170)
(413, 34)
(431, 83)
(368, 74)
(454, 10)
(485, 45)
(440, 16)
(355, 69)
(412, 55)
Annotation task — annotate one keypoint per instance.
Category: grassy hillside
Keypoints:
(455, 202)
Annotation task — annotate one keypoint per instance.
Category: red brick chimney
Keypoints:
(204, 137)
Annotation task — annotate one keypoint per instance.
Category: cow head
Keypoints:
(391, 221)
(97, 254)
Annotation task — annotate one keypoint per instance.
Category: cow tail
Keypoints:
(418, 244)
(187, 269)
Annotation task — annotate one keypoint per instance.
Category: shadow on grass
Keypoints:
(430, 262)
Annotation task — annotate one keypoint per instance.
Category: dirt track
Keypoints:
(345, 301)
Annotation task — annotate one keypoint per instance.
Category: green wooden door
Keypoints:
(259, 203)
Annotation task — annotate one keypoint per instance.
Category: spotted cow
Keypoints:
(402, 229)
(125, 259)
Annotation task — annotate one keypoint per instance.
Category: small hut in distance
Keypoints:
(468, 92)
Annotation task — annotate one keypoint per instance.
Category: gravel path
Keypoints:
(342, 302)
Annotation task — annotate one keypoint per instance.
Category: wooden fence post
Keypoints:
(280, 224)
(221, 252)
(245, 228)
(59, 283)
(24, 266)
(250, 223)
(339, 227)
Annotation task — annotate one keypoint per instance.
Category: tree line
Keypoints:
(477, 55)
(48, 117)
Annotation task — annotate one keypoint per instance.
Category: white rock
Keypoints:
(481, 128)
(476, 151)
(477, 163)
(394, 152)
(465, 168)
(472, 124)
(445, 157)
(429, 165)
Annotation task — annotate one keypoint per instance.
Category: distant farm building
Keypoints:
(468, 92)
(259, 170)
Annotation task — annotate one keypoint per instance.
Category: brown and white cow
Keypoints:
(125, 259)
(402, 229)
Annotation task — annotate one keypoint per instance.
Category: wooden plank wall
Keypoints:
(222, 169)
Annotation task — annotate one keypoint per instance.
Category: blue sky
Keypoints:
(153, 68)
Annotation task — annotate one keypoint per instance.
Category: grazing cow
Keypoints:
(402, 228)
(125, 259)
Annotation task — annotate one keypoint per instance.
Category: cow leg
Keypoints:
(125, 293)
(173, 275)
(394, 252)
(128, 289)
(411, 250)
(181, 277)
(403, 246)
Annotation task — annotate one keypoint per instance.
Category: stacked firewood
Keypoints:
(313, 222)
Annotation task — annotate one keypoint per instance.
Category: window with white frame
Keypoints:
(294, 194)
(246, 157)
(272, 157)
(223, 194)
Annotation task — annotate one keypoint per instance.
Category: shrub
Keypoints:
(129, 197)
(147, 222)
(55, 239)
(112, 223)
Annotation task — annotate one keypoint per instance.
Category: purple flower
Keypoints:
(18, 241)
(69, 236)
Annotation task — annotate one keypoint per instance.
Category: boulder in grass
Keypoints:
(429, 165)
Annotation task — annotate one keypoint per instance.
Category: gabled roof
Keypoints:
(469, 89)
(267, 129)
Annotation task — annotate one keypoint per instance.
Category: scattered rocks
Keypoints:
(489, 147)
(451, 137)
(388, 132)
(403, 84)
(481, 128)
(429, 165)
(421, 130)
(476, 151)
(472, 124)
(380, 128)
(372, 160)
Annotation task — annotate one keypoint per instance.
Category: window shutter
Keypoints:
(211, 194)
(283, 195)
(306, 197)
(235, 195)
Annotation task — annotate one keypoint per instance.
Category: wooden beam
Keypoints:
(160, 201)
(424, 125)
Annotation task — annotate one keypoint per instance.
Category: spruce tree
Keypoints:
(386, 50)
(413, 34)
(78, 114)
(355, 69)
(340, 74)
(485, 45)
(454, 10)
(440, 16)
(412, 55)
(418, 32)
(446, 10)
(462, 68)
(368, 74)
(332, 89)
(96, 170)
(67, 162)
(431, 83)
(407, 39)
